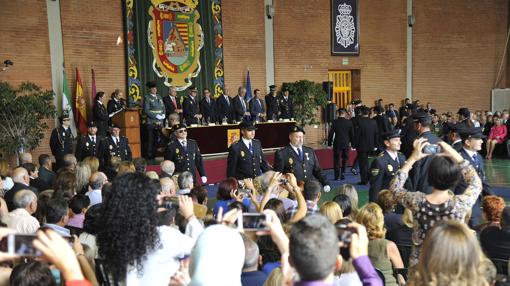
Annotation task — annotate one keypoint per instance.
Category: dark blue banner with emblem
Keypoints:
(344, 27)
(173, 43)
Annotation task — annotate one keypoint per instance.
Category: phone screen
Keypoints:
(22, 245)
(254, 221)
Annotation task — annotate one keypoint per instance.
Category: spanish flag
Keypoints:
(81, 106)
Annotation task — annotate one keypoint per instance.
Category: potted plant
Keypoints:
(308, 97)
(22, 113)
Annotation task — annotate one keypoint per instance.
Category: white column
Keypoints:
(269, 40)
(409, 60)
(56, 49)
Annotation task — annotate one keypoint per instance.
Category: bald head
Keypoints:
(20, 175)
(167, 186)
(97, 180)
(25, 158)
(168, 167)
(25, 199)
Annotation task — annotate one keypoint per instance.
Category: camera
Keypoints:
(170, 203)
(344, 234)
(253, 221)
(283, 181)
(432, 149)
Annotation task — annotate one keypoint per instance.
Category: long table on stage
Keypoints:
(213, 140)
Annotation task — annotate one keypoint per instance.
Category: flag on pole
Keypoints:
(248, 86)
(93, 86)
(81, 106)
(66, 104)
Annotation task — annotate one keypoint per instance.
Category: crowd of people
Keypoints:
(102, 218)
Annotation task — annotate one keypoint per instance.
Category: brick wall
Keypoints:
(457, 51)
(244, 44)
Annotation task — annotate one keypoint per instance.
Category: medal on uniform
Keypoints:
(111, 147)
(291, 161)
(242, 153)
(63, 134)
(307, 158)
(87, 144)
(176, 150)
(390, 168)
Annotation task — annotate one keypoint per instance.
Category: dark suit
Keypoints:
(47, 176)
(495, 242)
(110, 149)
(409, 134)
(101, 118)
(224, 109)
(342, 131)
(208, 109)
(382, 171)
(185, 160)
(462, 185)
(457, 145)
(39, 184)
(112, 107)
(367, 137)
(286, 160)
(9, 195)
(272, 107)
(241, 163)
(87, 147)
(419, 173)
(190, 108)
(383, 126)
(239, 108)
(286, 107)
(256, 108)
(169, 105)
(61, 144)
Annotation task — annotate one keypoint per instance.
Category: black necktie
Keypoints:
(300, 154)
(250, 147)
(477, 162)
(184, 146)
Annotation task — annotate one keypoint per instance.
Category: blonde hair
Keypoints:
(350, 191)
(93, 163)
(152, 175)
(275, 278)
(371, 216)
(332, 211)
(82, 175)
(450, 255)
(126, 167)
(407, 218)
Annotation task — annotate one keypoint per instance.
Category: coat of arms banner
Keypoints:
(173, 43)
(344, 27)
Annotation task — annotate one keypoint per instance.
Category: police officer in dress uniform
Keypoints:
(154, 108)
(88, 145)
(366, 134)
(385, 166)
(245, 157)
(340, 136)
(114, 146)
(61, 140)
(272, 103)
(100, 114)
(190, 107)
(185, 154)
(285, 104)
(299, 160)
(419, 173)
(472, 139)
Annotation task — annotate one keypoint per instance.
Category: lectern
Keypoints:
(129, 123)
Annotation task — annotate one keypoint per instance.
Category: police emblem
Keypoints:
(87, 144)
(176, 150)
(345, 28)
(176, 39)
(291, 161)
(111, 147)
(390, 168)
(242, 153)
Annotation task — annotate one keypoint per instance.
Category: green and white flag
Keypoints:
(67, 105)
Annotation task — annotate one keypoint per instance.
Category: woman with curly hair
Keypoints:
(133, 246)
(383, 253)
(451, 255)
